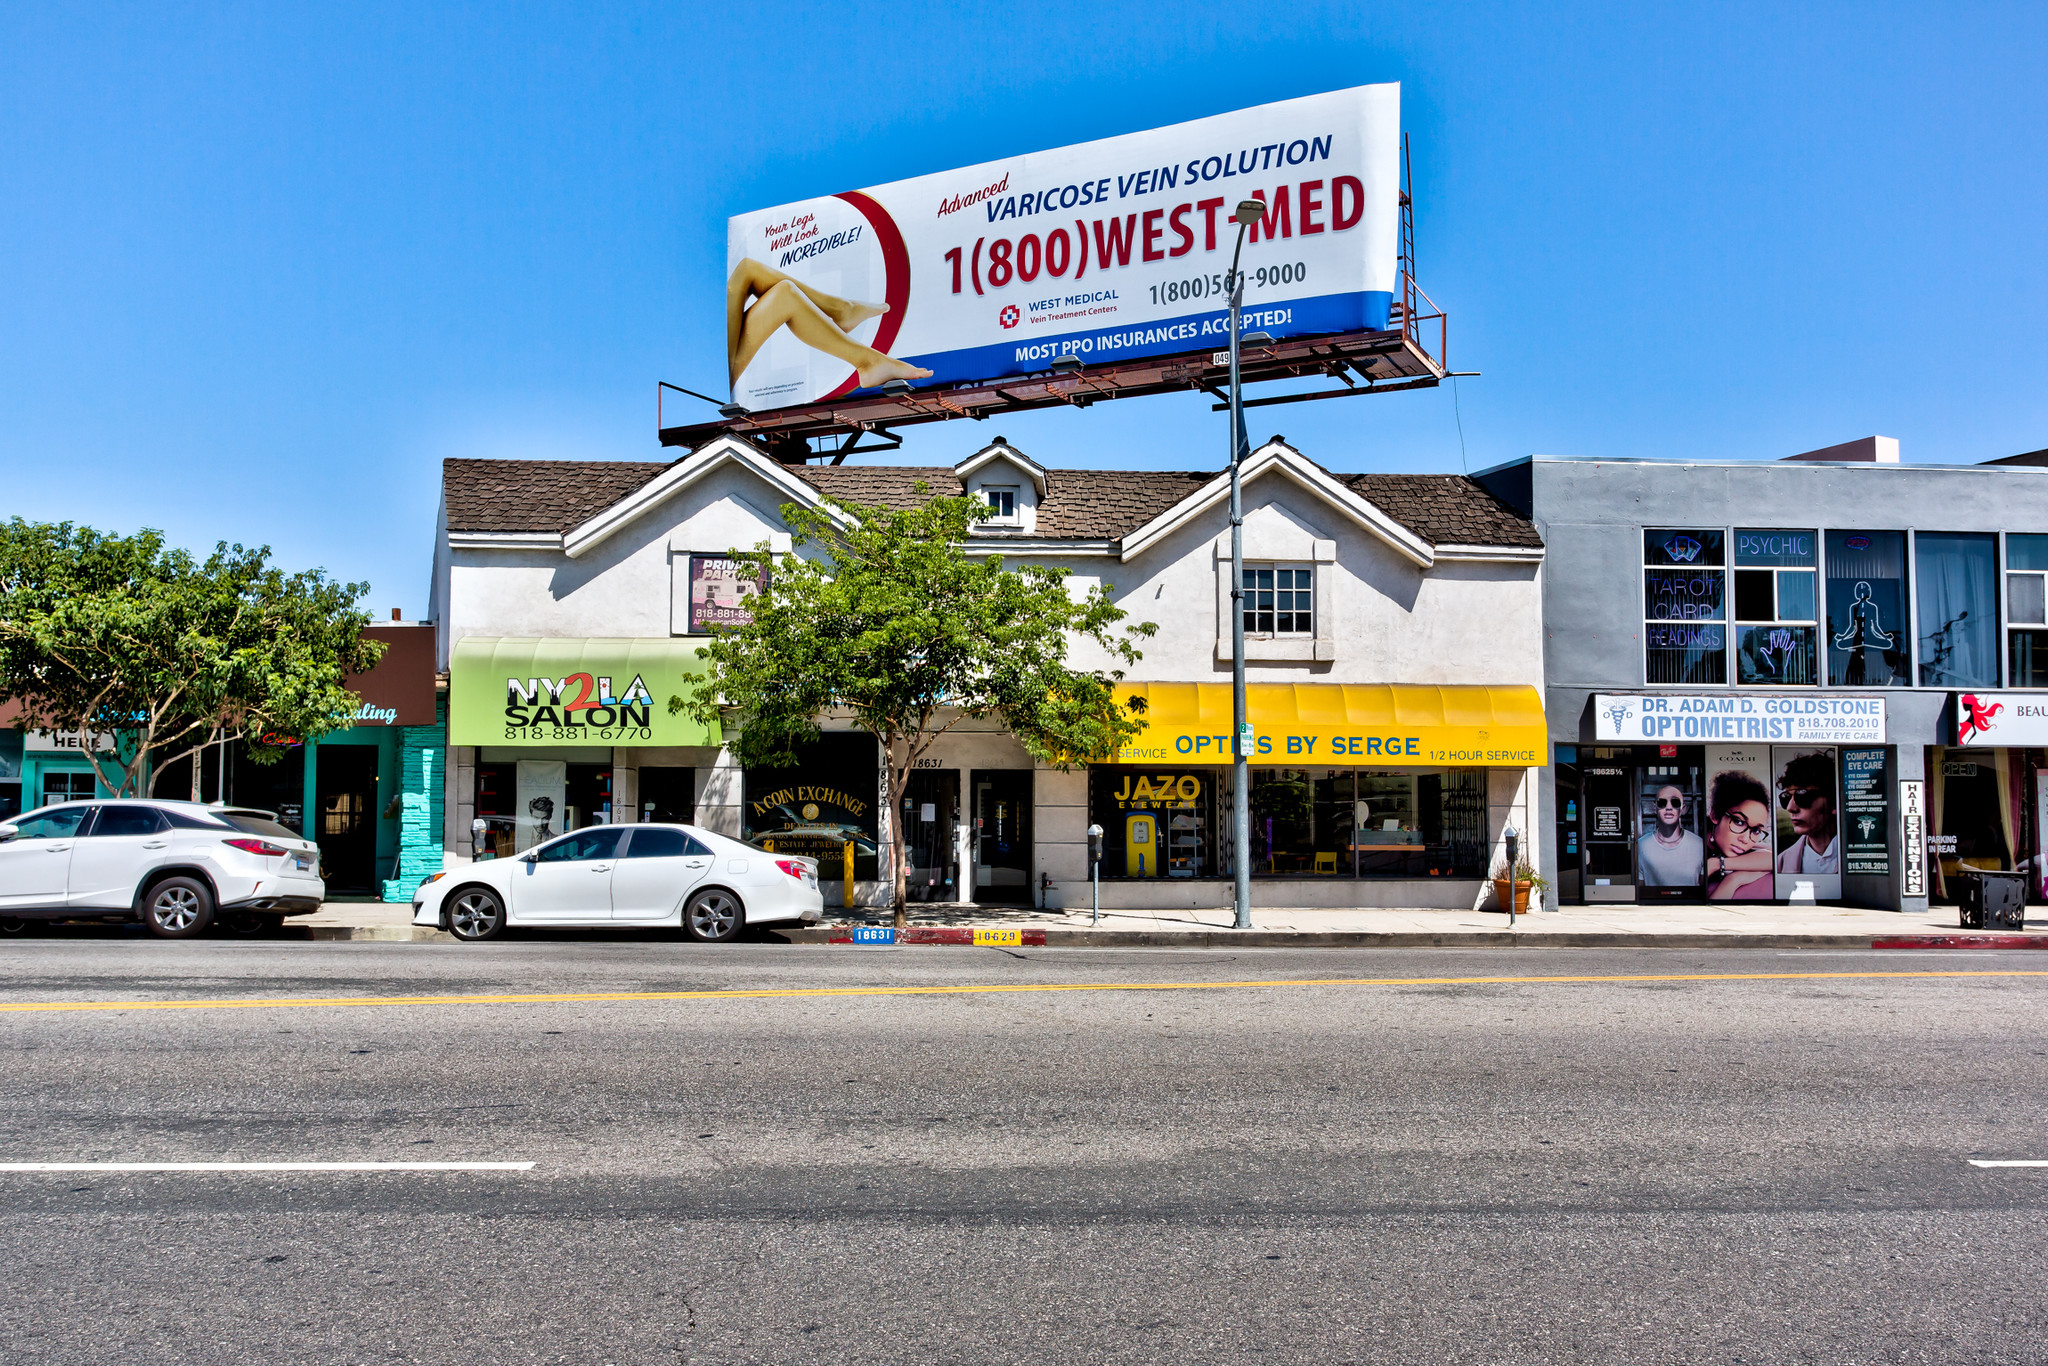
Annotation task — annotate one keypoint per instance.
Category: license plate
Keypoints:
(301, 862)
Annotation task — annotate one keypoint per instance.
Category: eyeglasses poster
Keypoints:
(1740, 826)
(1809, 863)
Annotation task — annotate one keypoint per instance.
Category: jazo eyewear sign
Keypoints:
(1676, 717)
(1105, 251)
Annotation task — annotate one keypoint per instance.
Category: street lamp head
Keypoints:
(1250, 211)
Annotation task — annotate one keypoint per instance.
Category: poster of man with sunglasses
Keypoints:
(1809, 833)
(1668, 854)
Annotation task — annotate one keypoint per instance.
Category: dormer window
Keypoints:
(1002, 504)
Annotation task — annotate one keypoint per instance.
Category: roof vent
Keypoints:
(1864, 450)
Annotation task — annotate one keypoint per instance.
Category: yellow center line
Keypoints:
(979, 989)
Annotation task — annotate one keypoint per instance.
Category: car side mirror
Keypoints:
(8, 832)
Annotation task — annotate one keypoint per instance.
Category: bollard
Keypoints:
(846, 872)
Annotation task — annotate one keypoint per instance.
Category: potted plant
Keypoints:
(1527, 879)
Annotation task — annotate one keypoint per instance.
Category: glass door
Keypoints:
(931, 807)
(1608, 800)
(1002, 835)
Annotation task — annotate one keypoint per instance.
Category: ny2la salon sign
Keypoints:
(504, 690)
(1677, 718)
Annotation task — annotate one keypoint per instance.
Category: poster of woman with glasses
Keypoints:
(1739, 825)
(1809, 834)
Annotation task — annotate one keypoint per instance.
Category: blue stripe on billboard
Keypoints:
(1207, 331)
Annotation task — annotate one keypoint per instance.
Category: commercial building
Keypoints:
(1393, 650)
(1797, 680)
(370, 794)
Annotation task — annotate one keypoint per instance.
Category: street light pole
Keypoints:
(1248, 213)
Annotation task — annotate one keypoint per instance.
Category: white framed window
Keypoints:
(2026, 610)
(1002, 502)
(1777, 607)
(1279, 600)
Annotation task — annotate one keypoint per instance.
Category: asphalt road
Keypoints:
(1472, 1172)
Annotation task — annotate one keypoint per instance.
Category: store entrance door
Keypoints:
(345, 793)
(1002, 836)
(1610, 868)
(931, 808)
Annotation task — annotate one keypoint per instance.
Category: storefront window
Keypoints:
(1958, 574)
(819, 805)
(1305, 822)
(1974, 804)
(1685, 638)
(1776, 622)
(1867, 609)
(2026, 608)
(1158, 822)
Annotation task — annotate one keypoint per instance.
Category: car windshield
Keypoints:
(59, 822)
(257, 823)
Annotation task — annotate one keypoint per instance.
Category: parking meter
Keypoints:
(1095, 869)
(1514, 862)
(478, 828)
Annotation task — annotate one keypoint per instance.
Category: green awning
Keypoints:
(525, 690)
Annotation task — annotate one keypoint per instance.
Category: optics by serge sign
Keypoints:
(1105, 251)
(1724, 717)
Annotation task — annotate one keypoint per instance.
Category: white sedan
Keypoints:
(606, 875)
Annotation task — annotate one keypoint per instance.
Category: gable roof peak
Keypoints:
(1001, 449)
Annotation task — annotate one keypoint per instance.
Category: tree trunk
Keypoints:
(899, 881)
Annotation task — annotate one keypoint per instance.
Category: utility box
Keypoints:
(1993, 901)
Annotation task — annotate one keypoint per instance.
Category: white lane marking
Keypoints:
(1975, 1163)
(265, 1166)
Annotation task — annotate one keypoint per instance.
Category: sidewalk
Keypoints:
(1669, 926)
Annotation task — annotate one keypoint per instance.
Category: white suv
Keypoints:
(174, 865)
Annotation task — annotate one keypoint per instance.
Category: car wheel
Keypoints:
(475, 914)
(178, 908)
(713, 916)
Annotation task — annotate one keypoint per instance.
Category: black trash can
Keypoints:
(1993, 901)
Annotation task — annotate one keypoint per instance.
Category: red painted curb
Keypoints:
(1963, 941)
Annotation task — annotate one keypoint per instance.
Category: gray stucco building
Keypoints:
(1785, 680)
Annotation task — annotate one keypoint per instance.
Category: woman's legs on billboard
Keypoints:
(819, 320)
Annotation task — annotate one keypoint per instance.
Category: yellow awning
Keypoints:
(1357, 725)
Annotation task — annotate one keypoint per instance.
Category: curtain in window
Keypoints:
(1958, 574)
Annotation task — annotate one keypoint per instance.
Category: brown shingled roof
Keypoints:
(533, 495)
(537, 495)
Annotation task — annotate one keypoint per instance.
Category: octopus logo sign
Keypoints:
(1009, 316)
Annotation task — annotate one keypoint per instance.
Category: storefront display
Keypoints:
(1867, 609)
(1305, 822)
(1809, 835)
(819, 805)
(1866, 816)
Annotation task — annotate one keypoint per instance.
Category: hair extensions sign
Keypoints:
(1105, 251)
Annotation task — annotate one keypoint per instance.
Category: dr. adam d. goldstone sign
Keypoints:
(1707, 717)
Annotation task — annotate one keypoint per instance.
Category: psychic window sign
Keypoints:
(722, 592)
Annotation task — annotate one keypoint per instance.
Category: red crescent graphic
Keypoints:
(895, 272)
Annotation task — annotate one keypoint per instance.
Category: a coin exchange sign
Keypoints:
(1105, 251)
(1677, 718)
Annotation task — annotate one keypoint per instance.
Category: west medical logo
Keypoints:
(1008, 317)
(577, 700)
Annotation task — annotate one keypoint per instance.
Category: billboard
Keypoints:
(1105, 251)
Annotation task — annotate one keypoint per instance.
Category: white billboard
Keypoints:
(1106, 251)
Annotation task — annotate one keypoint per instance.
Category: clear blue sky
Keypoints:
(260, 270)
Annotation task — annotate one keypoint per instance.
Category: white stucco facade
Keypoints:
(1390, 607)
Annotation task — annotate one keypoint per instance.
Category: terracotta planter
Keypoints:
(1500, 889)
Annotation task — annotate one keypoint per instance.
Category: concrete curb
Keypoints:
(1474, 939)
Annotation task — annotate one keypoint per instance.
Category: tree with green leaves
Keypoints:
(108, 633)
(880, 615)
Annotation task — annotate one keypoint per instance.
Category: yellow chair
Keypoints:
(1326, 863)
